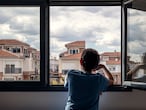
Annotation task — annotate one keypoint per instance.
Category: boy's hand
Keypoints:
(100, 66)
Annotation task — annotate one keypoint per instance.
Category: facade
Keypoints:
(112, 60)
(71, 60)
(18, 61)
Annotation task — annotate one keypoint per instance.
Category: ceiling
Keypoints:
(139, 4)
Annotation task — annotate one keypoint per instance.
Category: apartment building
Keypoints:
(70, 59)
(18, 61)
(112, 60)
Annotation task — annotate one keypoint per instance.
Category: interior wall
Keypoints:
(134, 100)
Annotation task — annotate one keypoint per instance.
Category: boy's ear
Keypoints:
(81, 61)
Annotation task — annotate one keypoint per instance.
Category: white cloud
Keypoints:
(57, 47)
(136, 34)
(21, 23)
(92, 24)
(21, 37)
(4, 28)
(80, 21)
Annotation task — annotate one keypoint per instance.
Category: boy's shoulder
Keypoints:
(73, 71)
(81, 73)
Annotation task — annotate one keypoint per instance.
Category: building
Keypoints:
(18, 61)
(70, 59)
(112, 60)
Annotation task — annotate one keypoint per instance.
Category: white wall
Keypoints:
(135, 100)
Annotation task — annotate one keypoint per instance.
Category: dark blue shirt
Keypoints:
(84, 90)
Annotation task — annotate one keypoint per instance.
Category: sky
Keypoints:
(136, 34)
(99, 26)
(22, 24)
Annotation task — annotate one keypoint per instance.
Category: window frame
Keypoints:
(93, 3)
(43, 84)
(29, 85)
(128, 80)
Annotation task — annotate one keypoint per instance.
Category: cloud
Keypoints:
(25, 24)
(56, 47)
(21, 23)
(136, 33)
(97, 25)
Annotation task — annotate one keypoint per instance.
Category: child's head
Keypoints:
(89, 59)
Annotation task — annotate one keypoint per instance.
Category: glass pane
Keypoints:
(19, 43)
(74, 28)
(136, 45)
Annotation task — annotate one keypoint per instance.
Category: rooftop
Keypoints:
(12, 42)
(76, 44)
(113, 54)
(112, 62)
(72, 56)
(7, 54)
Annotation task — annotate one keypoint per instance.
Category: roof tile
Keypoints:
(7, 54)
(76, 44)
(12, 42)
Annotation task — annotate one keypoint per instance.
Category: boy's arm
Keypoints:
(107, 73)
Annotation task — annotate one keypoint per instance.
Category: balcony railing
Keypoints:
(13, 70)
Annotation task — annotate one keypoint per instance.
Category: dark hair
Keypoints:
(90, 59)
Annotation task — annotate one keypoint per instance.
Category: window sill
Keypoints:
(119, 88)
(115, 88)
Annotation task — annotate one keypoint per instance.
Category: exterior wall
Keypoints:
(116, 73)
(15, 76)
(54, 64)
(1, 75)
(69, 64)
(28, 64)
(104, 58)
(17, 62)
(117, 68)
(1, 65)
(14, 46)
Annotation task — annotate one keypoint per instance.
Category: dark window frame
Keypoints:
(29, 85)
(43, 84)
(128, 78)
(94, 3)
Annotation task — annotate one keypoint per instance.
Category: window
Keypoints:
(15, 50)
(20, 33)
(41, 40)
(135, 44)
(74, 28)
(21, 42)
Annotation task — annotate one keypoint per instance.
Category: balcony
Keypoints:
(13, 70)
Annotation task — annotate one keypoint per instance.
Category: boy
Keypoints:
(85, 86)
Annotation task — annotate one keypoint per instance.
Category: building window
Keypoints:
(11, 69)
(74, 51)
(15, 50)
(8, 68)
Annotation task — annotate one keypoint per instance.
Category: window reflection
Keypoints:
(136, 45)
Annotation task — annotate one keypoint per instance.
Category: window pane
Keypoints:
(19, 43)
(136, 45)
(74, 28)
